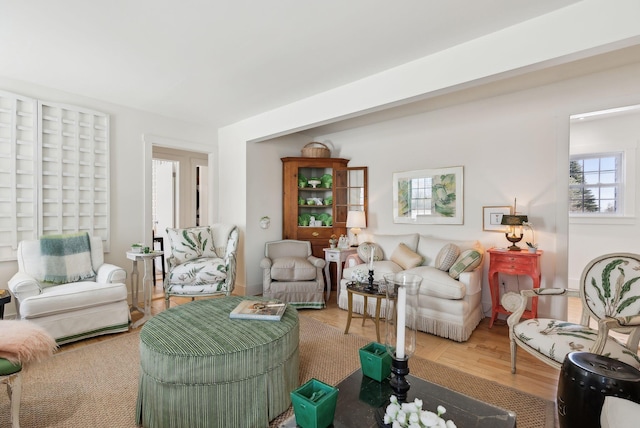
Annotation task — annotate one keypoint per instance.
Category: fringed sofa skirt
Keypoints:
(198, 368)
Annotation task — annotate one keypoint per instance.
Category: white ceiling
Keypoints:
(217, 62)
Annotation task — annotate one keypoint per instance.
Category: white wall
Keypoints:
(511, 145)
(127, 191)
(515, 51)
(590, 237)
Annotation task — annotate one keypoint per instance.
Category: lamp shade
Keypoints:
(356, 219)
(513, 220)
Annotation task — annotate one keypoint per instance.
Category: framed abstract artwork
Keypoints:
(428, 196)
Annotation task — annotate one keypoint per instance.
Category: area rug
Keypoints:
(96, 385)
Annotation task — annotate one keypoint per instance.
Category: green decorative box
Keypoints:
(375, 361)
(314, 404)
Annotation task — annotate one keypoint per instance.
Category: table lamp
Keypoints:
(356, 221)
(513, 222)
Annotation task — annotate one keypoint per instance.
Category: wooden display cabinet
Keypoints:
(297, 193)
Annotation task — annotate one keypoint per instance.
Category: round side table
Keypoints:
(5, 297)
(585, 380)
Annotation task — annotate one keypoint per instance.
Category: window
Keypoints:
(420, 201)
(596, 183)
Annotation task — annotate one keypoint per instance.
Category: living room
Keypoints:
(506, 123)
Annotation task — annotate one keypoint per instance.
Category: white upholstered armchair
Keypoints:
(64, 286)
(291, 274)
(202, 261)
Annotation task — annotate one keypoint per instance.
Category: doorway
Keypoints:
(179, 189)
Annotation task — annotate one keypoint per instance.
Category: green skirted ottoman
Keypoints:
(198, 368)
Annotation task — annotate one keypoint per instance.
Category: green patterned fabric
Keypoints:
(191, 243)
(66, 258)
(199, 368)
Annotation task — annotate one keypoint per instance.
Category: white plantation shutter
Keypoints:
(54, 171)
(18, 172)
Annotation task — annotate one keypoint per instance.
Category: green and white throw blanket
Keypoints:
(66, 258)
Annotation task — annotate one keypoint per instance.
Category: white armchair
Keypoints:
(291, 274)
(73, 310)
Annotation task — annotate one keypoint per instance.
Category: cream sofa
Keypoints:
(74, 310)
(448, 307)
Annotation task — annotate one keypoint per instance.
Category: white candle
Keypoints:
(402, 308)
(371, 260)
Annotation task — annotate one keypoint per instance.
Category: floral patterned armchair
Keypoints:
(610, 295)
(202, 261)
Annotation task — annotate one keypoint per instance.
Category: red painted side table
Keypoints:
(512, 263)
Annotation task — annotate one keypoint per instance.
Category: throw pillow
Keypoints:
(364, 252)
(405, 258)
(447, 256)
(191, 243)
(467, 261)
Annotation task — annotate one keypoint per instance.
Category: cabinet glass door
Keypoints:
(350, 192)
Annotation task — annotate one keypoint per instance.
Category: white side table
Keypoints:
(338, 255)
(147, 283)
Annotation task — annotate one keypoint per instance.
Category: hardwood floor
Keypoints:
(486, 354)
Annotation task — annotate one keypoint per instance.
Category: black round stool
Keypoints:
(585, 380)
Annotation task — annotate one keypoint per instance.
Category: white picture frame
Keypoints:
(429, 196)
(492, 217)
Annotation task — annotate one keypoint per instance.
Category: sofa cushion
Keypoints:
(71, 297)
(292, 269)
(364, 251)
(468, 260)
(429, 247)
(201, 271)
(405, 258)
(446, 257)
(191, 243)
(437, 283)
(388, 243)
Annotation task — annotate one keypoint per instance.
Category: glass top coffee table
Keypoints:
(360, 397)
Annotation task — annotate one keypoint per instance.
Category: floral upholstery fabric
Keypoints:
(212, 272)
(555, 339)
(609, 289)
(206, 272)
(191, 243)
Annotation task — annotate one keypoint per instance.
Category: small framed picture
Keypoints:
(492, 217)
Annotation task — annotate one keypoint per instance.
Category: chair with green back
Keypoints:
(610, 295)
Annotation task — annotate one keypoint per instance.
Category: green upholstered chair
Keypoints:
(610, 294)
(201, 262)
(11, 375)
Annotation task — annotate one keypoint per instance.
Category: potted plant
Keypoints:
(333, 241)
(532, 247)
(265, 221)
(136, 248)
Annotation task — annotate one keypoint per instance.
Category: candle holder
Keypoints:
(369, 287)
(400, 339)
(399, 384)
